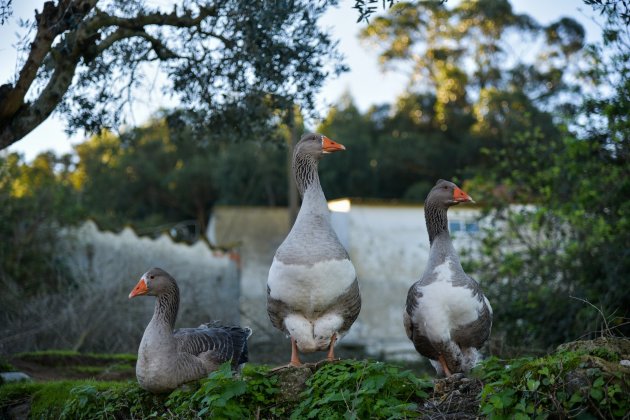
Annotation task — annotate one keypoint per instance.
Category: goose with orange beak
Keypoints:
(167, 358)
(312, 289)
(447, 316)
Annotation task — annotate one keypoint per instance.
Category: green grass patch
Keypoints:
(5, 366)
(83, 399)
(96, 370)
(63, 355)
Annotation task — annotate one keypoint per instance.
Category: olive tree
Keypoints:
(234, 61)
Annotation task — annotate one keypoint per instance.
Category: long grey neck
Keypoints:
(305, 171)
(166, 307)
(437, 220)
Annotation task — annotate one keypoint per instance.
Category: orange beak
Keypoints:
(461, 197)
(140, 289)
(331, 146)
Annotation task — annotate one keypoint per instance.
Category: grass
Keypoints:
(48, 399)
(70, 354)
(5, 366)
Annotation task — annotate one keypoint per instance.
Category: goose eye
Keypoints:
(445, 187)
(152, 277)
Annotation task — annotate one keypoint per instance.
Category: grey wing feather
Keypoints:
(216, 343)
(277, 311)
(350, 305)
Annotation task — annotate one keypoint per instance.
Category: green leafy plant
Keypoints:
(361, 389)
(565, 384)
(222, 395)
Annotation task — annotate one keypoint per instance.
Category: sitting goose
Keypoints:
(447, 315)
(312, 288)
(167, 358)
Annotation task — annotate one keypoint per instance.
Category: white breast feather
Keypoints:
(310, 288)
(444, 306)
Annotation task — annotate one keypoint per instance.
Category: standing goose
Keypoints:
(167, 358)
(447, 317)
(312, 288)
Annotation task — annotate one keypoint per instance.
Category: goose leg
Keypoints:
(442, 361)
(331, 349)
(295, 360)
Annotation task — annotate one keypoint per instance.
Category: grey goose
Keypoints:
(167, 358)
(312, 288)
(447, 316)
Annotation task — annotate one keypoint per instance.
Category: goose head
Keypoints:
(316, 145)
(446, 194)
(153, 283)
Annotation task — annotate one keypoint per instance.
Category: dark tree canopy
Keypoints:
(235, 61)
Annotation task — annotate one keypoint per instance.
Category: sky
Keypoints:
(365, 81)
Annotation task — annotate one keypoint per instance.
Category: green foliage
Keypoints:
(565, 384)
(5, 366)
(572, 240)
(176, 174)
(223, 395)
(78, 399)
(95, 401)
(361, 389)
(35, 199)
(348, 389)
(586, 381)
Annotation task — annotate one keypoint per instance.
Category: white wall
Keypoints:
(95, 313)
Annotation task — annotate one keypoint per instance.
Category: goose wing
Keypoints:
(416, 333)
(196, 341)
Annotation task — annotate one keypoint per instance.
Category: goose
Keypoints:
(312, 288)
(447, 316)
(167, 358)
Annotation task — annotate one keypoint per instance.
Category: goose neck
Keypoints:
(166, 307)
(436, 219)
(305, 172)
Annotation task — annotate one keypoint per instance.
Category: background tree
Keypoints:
(168, 175)
(36, 199)
(231, 60)
(573, 241)
(484, 90)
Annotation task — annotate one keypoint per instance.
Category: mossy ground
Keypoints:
(66, 364)
(581, 380)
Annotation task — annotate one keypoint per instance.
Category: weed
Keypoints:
(362, 389)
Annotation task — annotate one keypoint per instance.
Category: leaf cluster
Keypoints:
(348, 389)
(565, 384)
(361, 389)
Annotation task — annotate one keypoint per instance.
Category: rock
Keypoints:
(608, 348)
(14, 377)
(292, 381)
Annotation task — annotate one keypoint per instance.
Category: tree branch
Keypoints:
(50, 23)
(18, 118)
